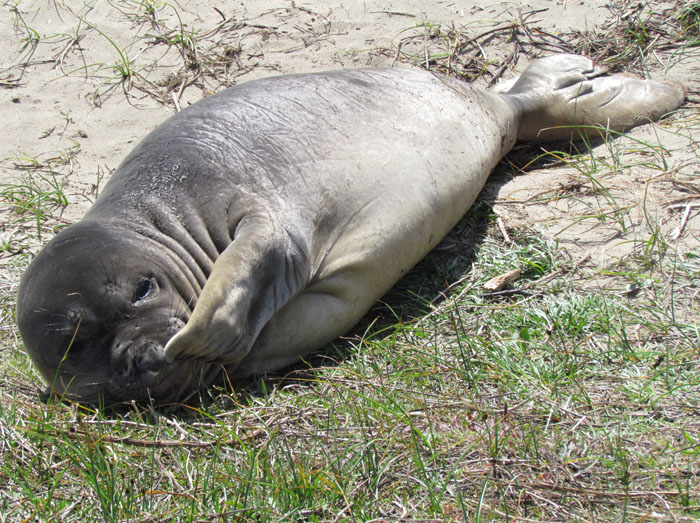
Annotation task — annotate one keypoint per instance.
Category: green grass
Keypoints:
(35, 195)
(689, 18)
(561, 404)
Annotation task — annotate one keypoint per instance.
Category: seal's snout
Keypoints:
(148, 357)
(136, 358)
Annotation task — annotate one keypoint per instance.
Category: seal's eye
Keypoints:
(144, 289)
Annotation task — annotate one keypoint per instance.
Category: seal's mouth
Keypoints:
(129, 367)
(147, 382)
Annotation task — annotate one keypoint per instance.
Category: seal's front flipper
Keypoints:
(560, 96)
(253, 278)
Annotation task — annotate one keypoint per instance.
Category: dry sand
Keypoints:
(69, 110)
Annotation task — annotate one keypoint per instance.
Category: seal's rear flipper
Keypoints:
(560, 96)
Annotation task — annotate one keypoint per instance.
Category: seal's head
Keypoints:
(95, 309)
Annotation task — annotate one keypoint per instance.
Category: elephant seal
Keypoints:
(262, 222)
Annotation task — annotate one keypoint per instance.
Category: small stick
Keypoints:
(678, 231)
(504, 232)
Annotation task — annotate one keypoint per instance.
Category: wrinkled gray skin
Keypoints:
(262, 222)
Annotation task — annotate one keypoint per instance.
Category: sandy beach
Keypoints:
(83, 85)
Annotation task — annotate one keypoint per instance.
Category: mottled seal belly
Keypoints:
(257, 225)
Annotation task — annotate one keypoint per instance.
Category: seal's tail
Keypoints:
(564, 96)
